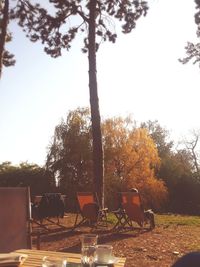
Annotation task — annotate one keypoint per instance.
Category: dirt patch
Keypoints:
(160, 247)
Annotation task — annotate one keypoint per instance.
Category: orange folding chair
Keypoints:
(90, 210)
(132, 205)
(132, 211)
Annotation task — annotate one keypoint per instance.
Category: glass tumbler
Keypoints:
(51, 261)
(88, 248)
(103, 253)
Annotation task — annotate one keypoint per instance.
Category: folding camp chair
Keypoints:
(15, 227)
(90, 210)
(132, 211)
(47, 207)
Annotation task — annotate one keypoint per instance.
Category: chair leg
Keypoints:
(152, 222)
(149, 217)
(76, 219)
(82, 221)
(38, 241)
(102, 218)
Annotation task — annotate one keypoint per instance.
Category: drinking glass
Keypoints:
(50, 261)
(103, 253)
(88, 247)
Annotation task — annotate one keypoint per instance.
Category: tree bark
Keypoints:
(193, 146)
(98, 165)
(3, 33)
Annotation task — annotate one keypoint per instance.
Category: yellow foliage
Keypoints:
(153, 192)
(131, 157)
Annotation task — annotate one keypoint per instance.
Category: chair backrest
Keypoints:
(85, 198)
(37, 199)
(15, 214)
(131, 203)
(88, 205)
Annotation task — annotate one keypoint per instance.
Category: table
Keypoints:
(35, 257)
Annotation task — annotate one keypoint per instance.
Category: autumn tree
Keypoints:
(130, 158)
(94, 18)
(130, 161)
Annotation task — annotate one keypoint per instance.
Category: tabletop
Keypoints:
(35, 257)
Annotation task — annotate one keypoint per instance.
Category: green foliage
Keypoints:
(193, 50)
(174, 166)
(160, 136)
(51, 26)
(48, 23)
(177, 171)
(192, 53)
(130, 157)
(70, 154)
(185, 196)
(6, 58)
(25, 175)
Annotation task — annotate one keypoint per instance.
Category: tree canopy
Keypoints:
(130, 158)
(69, 158)
(50, 22)
(6, 58)
(141, 157)
(193, 49)
(25, 175)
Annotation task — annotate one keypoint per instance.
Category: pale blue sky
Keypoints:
(140, 74)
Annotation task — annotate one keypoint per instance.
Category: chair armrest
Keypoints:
(119, 211)
(104, 209)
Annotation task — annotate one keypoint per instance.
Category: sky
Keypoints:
(140, 75)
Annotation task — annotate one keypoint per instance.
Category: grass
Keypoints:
(169, 219)
(176, 219)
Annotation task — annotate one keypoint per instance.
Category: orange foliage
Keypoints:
(131, 157)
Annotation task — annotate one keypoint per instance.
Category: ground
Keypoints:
(159, 247)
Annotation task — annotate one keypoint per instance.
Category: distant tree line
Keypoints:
(179, 169)
(135, 156)
(130, 158)
(26, 174)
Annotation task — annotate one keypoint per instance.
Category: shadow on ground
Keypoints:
(105, 236)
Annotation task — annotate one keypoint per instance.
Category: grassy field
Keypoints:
(169, 219)
(175, 219)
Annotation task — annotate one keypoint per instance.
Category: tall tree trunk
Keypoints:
(3, 32)
(94, 104)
